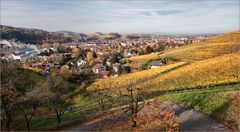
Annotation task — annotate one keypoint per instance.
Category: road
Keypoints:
(189, 120)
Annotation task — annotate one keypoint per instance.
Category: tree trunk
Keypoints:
(134, 123)
(28, 125)
(59, 119)
(9, 120)
(8, 125)
(27, 122)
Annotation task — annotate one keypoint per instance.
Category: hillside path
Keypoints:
(190, 120)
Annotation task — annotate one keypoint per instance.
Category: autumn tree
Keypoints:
(56, 45)
(65, 72)
(45, 45)
(8, 92)
(148, 50)
(59, 99)
(75, 53)
(90, 58)
(9, 95)
(155, 117)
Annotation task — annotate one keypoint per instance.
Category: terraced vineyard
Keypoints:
(201, 51)
(219, 70)
(144, 58)
(134, 77)
(229, 37)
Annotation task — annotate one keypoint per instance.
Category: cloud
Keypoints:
(121, 16)
(168, 12)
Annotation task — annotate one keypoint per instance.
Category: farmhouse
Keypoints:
(156, 64)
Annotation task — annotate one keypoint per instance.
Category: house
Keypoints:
(116, 67)
(108, 62)
(156, 64)
(105, 73)
(81, 63)
(98, 68)
(131, 53)
(14, 57)
(5, 44)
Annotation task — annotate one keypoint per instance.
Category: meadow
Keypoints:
(222, 104)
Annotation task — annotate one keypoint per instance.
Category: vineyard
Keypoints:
(219, 70)
(229, 37)
(144, 58)
(201, 51)
(134, 77)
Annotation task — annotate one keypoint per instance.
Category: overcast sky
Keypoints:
(163, 16)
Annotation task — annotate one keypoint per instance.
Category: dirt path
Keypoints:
(190, 120)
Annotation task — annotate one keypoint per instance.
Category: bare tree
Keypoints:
(28, 108)
(102, 95)
(132, 95)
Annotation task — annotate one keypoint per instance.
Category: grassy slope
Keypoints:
(134, 77)
(216, 46)
(143, 58)
(223, 69)
(29, 80)
(201, 51)
(216, 104)
(228, 37)
(49, 121)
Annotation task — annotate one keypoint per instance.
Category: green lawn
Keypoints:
(28, 80)
(215, 103)
(49, 122)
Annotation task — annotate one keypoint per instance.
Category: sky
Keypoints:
(139, 16)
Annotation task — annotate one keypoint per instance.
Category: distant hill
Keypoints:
(37, 36)
(33, 36)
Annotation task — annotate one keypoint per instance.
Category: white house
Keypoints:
(116, 67)
(81, 63)
(156, 64)
(98, 68)
(14, 57)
